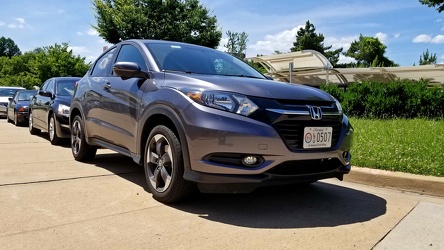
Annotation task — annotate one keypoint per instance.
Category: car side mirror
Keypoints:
(127, 70)
(10, 99)
(45, 93)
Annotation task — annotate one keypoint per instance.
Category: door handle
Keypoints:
(107, 86)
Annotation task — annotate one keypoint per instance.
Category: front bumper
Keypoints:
(213, 134)
(62, 126)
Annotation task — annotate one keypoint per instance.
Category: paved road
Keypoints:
(50, 201)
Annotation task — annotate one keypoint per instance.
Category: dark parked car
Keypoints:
(194, 116)
(18, 106)
(49, 108)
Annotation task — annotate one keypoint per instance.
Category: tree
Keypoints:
(174, 20)
(8, 47)
(56, 60)
(427, 58)
(438, 4)
(369, 51)
(307, 38)
(237, 44)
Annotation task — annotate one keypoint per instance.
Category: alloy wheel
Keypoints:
(160, 163)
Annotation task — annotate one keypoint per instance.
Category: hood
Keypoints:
(64, 99)
(247, 86)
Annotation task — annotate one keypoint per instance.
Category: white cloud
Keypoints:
(342, 42)
(79, 33)
(422, 39)
(77, 50)
(92, 32)
(281, 41)
(2, 24)
(397, 35)
(428, 39)
(20, 20)
(222, 42)
(345, 59)
(438, 39)
(382, 37)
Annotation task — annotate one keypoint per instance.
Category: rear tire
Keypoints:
(52, 132)
(80, 149)
(163, 166)
(32, 130)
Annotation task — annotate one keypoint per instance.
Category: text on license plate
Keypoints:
(317, 137)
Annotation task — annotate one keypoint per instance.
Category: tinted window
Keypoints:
(129, 53)
(50, 87)
(102, 66)
(7, 92)
(65, 87)
(25, 95)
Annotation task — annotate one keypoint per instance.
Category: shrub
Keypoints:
(397, 99)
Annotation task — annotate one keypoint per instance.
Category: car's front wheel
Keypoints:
(81, 150)
(164, 166)
(32, 130)
(53, 138)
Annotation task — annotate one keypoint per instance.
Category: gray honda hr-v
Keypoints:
(196, 117)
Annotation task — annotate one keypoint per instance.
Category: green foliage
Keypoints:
(8, 47)
(397, 99)
(438, 4)
(237, 44)
(174, 20)
(307, 38)
(33, 68)
(369, 52)
(406, 145)
(427, 58)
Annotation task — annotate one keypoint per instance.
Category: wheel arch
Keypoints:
(163, 115)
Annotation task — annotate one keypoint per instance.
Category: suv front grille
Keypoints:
(292, 131)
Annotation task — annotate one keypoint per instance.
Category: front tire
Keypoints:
(53, 138)
(163, 166)
(80, 149)
(32, 130)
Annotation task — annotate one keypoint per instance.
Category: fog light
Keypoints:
(249, 160)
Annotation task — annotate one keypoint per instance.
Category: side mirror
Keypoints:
(10, 99)
(44, 93)
(127, 70)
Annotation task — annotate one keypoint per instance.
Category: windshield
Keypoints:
(25, 95)
(199, 60)
(65, 87)
(8, 92)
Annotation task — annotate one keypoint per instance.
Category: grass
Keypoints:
(406, 145)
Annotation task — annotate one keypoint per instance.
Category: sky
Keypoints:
(406, 27)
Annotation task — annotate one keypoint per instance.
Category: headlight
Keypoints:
(63, 110)
(339, 106)
(230, 102)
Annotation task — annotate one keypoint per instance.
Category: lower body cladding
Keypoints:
(230, 153)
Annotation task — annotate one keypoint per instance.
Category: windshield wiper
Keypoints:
(180, 71)
(240, 75)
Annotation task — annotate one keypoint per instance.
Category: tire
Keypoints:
(7, 118)
(163, 166)
(80, 149)
(32, 130)
(53, 138)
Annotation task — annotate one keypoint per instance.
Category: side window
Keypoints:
(129, 53)
(102, 66)
(45, 85)
(51, 86)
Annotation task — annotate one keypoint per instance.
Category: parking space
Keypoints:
(50, 201)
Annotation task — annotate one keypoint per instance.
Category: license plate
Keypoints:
(317, 137)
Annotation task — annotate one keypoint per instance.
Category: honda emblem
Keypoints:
(315, 112)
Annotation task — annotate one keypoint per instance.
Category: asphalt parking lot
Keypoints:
(50, 201)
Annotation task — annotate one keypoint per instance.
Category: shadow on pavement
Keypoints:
(291, 206)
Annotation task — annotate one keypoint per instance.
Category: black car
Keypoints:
(49, 108)
(18, 106)
(195, 116)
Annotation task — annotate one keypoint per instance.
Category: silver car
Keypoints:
(198, 117)
(6, 92)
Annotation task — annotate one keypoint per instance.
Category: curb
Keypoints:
(428, 185)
